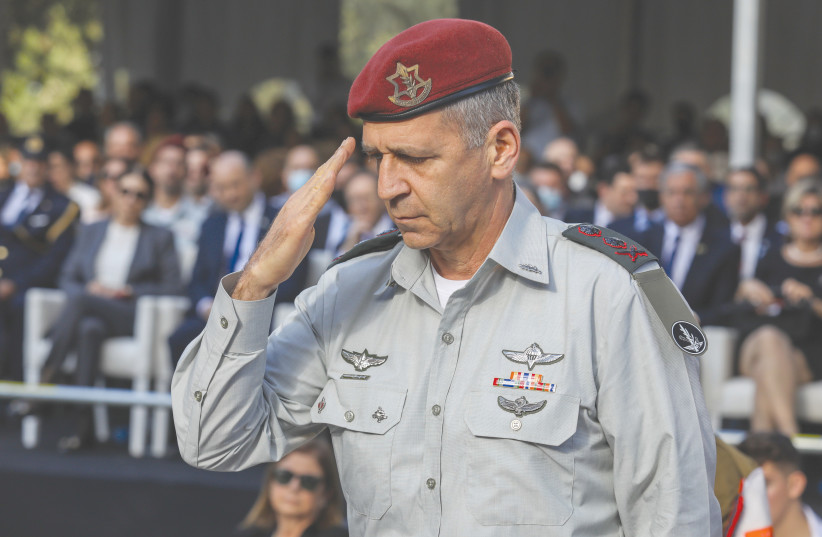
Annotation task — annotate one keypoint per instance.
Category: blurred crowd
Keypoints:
(163, 196)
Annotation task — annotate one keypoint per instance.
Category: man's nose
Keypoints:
(390, 179)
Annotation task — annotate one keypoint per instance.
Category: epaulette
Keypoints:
(380, 243)
(663, 296)
(618, 247)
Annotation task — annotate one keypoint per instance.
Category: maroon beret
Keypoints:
(427, 66)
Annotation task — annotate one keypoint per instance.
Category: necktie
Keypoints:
(232, 266)
(669, 264)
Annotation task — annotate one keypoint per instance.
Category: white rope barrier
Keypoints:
(82, 394)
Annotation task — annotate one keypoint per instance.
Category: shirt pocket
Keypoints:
(521, 472)
(362, 420)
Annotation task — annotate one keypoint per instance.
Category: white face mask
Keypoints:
(297, 179)
(550, 198)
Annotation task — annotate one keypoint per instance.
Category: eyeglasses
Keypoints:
(308, 482)
(140, 195)
(811, 211)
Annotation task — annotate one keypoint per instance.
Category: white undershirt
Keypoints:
(445, 287)
(115, 255)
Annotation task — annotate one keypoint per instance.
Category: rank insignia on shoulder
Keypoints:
(381, 243)
(362, 360)
(615, 245)
(688, 337)
(532, 356)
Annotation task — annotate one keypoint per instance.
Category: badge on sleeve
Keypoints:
(688, 337)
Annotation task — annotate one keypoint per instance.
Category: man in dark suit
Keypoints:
(227, 239)
(616, 197)
(36, 233)
(746, 197)
(694, 245)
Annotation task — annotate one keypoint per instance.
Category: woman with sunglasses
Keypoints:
(783, 346)
(300, 496)
(112, 263)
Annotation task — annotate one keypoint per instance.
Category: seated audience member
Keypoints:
(616, 197)
(300, 164)
(112, 264)
(228, 238)
(62, 178)
(551, 189)
(124, 141)
(783, 348)
(196, 185)
(36, 233)
(746, 197)
(695, 250)
(300, 496)
(786, 482)
(87, 161)
(575, 167)
(646, 167)
(366, 210)
(171, 208)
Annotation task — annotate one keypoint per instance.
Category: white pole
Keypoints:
(744, 82)
(82, 395)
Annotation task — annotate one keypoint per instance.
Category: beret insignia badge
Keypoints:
(410, 77)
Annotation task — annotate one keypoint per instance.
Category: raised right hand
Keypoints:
(290, 236)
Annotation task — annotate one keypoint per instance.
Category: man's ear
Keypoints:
(797, 481)
(504, 147)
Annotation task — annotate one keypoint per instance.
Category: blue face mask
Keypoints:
(550, 198)
(297, 179)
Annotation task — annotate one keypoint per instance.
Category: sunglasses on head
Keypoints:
(811, 211)
(142, 196)
(308, 482)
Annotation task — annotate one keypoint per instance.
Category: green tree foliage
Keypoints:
(366, 25)
(52, 61)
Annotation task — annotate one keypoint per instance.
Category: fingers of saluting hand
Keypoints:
(290, 236)
(312, 196)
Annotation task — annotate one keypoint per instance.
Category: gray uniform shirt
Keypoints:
(616, 440)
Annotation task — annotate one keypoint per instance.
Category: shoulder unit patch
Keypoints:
(618, 247)
(380, 243)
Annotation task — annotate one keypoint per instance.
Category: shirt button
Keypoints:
(198, 396)
(223, 322)
(349, 416)
(431, 483)
(447, 338)
(516, 425)
(436, 409)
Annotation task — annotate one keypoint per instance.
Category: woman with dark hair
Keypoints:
(783, 347)
(112, 263)
(300, 496)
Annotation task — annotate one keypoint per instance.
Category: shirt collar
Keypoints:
(522, 248)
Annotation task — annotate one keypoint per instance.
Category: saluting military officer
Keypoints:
(36, 233)
(483, 371)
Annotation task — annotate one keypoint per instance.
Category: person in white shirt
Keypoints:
(786, 482)
(111, 264)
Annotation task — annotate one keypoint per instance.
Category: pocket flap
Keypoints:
(551, 425)
(359, 407)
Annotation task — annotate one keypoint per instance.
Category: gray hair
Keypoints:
(477, 113)
(127, 125)
(676, 168)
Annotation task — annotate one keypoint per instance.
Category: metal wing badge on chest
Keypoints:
(532, 356)
(362, 360)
